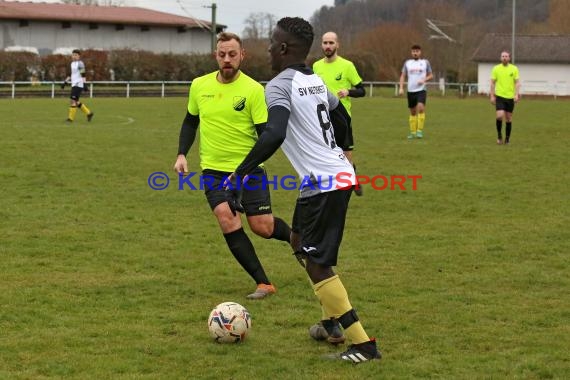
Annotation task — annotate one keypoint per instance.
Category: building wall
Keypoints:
(47, 36)
(536, 79)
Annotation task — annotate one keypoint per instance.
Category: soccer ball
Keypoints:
(229, 322)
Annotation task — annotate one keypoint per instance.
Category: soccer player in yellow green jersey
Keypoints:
(230, 109)
(505, 92)
(342, 79)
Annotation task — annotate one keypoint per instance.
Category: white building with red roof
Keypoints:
(49, 27)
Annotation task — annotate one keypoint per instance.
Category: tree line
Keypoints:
(375, 34)
(385, 30)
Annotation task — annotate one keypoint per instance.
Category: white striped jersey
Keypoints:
(310, 144)
(77, 71)
(416, 69)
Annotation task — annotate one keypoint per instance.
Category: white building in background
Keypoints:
(48, 27)
(543, 62)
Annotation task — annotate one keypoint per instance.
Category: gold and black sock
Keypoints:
(71, 113)
(421, 121)
(334, 301)
(84, 108)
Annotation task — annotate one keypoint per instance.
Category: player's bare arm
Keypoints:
(492, 92)
(402, 77)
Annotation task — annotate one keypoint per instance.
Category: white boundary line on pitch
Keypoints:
(130, 120)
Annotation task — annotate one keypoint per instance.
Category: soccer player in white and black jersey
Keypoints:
(418, 70)
(77, 80)
(299, 113)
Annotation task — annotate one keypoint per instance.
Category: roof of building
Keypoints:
(529, 48)
(11, 10)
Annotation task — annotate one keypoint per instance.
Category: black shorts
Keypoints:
(416, 97)
(320, 222)
(343, 135)
(504, 104)
(256, 199)
(76, 93)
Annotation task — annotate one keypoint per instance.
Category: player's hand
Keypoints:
(401, 91)
(63, 84)
(493, 99)
(234, 192)
(181, 165)
(342, 93)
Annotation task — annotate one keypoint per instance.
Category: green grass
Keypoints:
(102, 277)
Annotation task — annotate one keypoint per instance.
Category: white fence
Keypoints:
(180, 88)
(537, 87)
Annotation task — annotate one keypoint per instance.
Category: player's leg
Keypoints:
(85, 109)
(323, 219)
(499, 116)
(510, 107)
(327, 328)
(413, 118)
(74, 98)
(238, 242)
(422, 98)
(322, 234)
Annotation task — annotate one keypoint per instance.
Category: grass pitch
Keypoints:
(102, 277)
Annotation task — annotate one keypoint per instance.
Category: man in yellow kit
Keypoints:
(230, 109)
(505, 92)
(342, 79)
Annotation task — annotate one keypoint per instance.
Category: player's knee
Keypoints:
(227, 221)
(317, 272)
(263, 229)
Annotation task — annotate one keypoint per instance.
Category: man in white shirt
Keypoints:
(77, 80)
(418, 71)
(299, 120)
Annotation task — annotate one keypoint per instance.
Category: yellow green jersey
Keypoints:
(337, 75)
(228, 113)
(505, 78)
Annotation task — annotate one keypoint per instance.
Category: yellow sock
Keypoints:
(85, 110)
(421, 121)
(71, 113)
(413, 124)
(334, 301)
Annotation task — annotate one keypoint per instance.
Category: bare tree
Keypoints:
(390, 50)
(259, 25)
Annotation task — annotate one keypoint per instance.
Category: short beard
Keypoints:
(329, 54)
(229, 75)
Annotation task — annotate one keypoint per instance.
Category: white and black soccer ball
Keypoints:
(229, 322)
